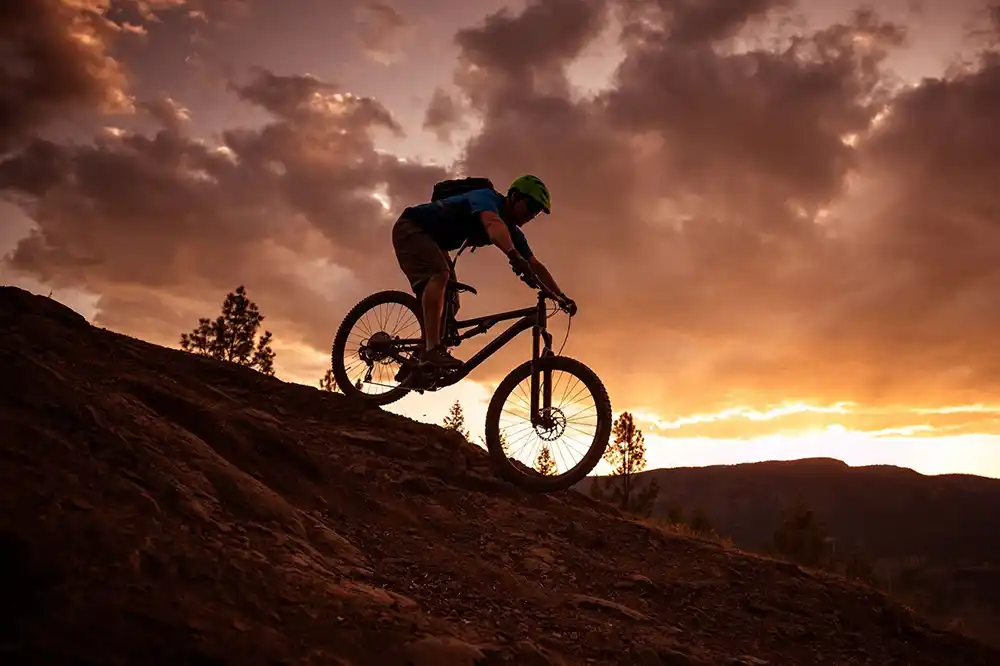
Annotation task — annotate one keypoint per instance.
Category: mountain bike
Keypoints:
(389, 343)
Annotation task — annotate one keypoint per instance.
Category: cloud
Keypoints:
(163, 225)
(208, 11)
(705, 204)
(59, 59)
(444, 115)
(510, 57)
(168, 113)
(743, 221)
(56, 57)
(382, 30)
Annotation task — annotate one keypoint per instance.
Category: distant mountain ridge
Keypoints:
(884, 510)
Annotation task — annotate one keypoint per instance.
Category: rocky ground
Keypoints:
(163, 508)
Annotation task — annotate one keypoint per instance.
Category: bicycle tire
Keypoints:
(534, 481)
(340, 343)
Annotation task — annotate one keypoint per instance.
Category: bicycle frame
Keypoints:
(533, 317)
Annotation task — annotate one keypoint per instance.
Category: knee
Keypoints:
(439, 279)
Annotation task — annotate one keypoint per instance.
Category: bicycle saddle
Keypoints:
(460, 286)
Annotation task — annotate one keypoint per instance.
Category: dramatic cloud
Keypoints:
(167, 223)
(745, 215)
(58, 57)
(55, 55)
(706, 205)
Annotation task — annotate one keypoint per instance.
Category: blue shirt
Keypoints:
(453, 220)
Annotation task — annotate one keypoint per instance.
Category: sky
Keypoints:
(780, 220)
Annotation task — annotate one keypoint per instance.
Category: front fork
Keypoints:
(541, 417)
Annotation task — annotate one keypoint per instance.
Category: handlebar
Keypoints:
(542, 288)
(546, 292)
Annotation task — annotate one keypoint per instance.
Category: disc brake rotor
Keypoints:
(551, 425)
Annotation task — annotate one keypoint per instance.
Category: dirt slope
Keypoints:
(161, 508)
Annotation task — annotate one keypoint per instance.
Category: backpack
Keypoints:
(453, 186)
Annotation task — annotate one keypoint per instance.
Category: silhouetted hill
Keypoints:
(163, 508)
(890, 512)
(931, 541)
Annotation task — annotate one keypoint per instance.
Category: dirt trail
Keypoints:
(162, 508)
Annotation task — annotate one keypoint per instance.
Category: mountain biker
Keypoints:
(424, 233)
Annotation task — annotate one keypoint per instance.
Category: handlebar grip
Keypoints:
(542, 287)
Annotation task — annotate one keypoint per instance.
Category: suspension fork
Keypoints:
(540, 334)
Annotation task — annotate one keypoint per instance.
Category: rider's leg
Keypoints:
(432, 302)
(426, 267)
(433, 306)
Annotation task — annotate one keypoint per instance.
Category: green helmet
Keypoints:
(534, 188)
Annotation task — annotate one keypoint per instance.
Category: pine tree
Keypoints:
(545, 464)
(233, 335)
(627, 457)
(455, 420)
(328, 383)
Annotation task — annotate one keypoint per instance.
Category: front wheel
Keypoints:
(366, 341)
(580, 414)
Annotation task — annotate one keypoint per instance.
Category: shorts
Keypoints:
(419, 257)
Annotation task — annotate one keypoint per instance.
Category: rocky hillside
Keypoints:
(162, 508)
(931, 540)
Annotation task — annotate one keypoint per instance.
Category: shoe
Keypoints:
(440, 358)
(404, 372)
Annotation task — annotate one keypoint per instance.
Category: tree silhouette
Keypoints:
(545, 464)
(328, 383)
(627, 457)
(455, 420)
(233, 335)
(800, 537)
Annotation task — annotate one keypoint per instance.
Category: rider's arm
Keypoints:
(544, 274)
(497, 230)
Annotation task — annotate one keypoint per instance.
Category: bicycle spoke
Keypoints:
(560, 431)
(377, 371)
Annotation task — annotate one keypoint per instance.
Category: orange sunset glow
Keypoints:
(780, 220)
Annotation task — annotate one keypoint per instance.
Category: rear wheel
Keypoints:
(566, 443)
(361, 364)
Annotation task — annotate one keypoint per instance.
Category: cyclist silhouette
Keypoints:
(467, 210)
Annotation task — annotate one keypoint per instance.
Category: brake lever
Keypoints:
(556, 298)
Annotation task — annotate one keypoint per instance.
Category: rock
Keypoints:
(532, 564)
(419, 484)
(530, 654)
(585, 601)
(634, 581)
(748, 660)
(443, 651)
(544, 554)
(671, 657)
(377, 594)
